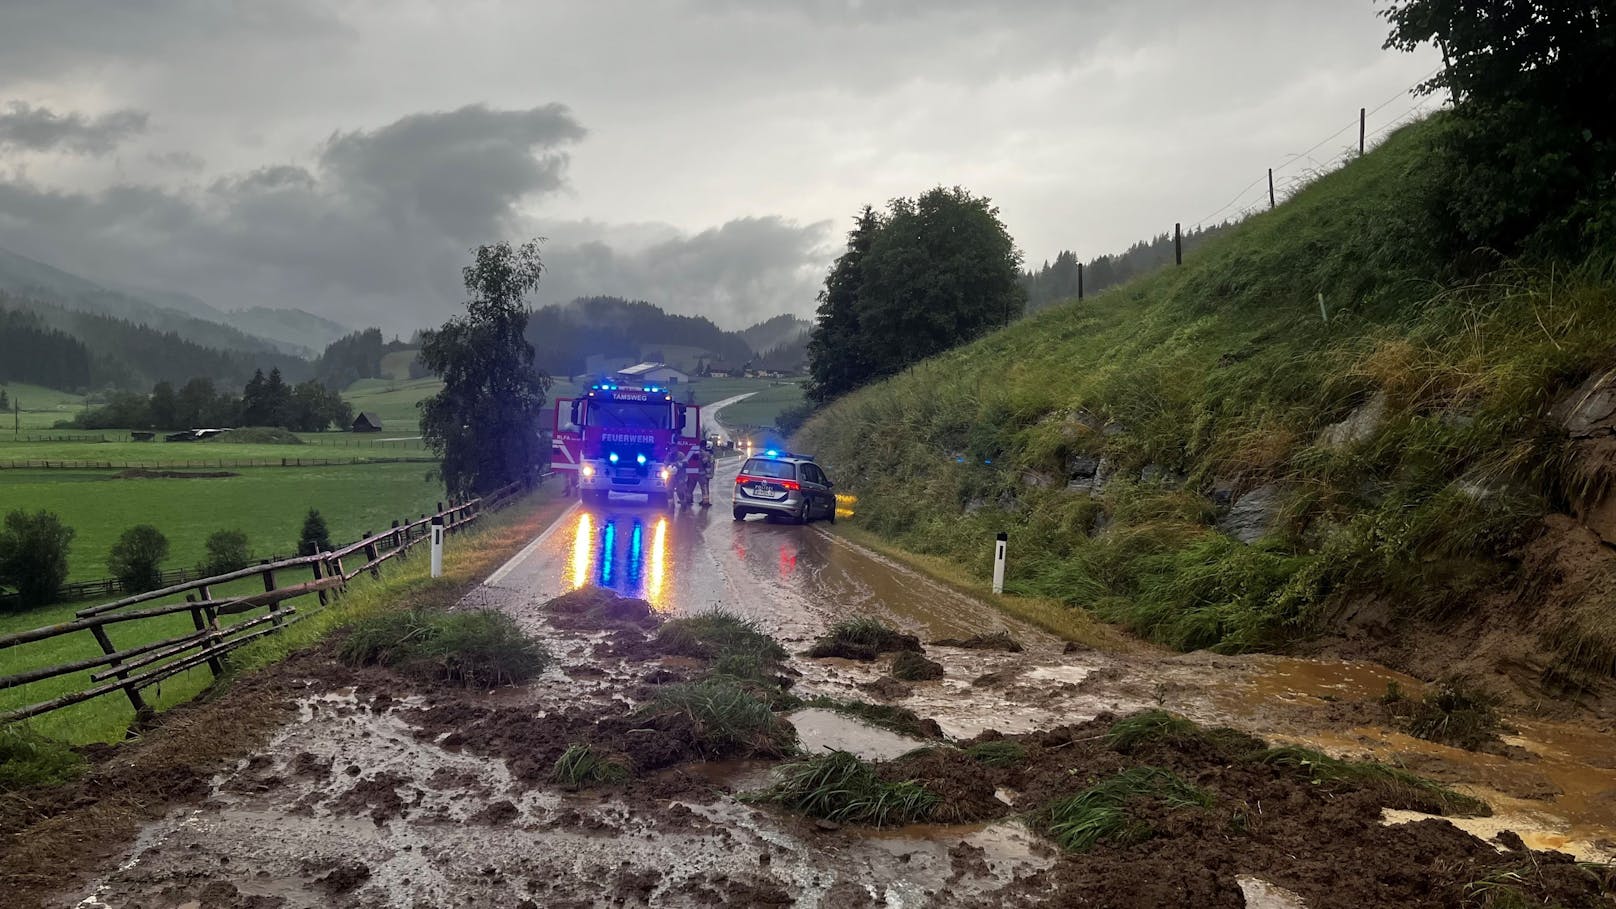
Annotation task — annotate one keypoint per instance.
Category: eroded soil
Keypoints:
(382, 791)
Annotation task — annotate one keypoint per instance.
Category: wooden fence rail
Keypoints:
(136, 667)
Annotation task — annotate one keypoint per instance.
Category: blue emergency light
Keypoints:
(612, 457)
(639, 459)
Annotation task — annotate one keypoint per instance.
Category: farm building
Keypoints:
(367, 421)
(653, 373)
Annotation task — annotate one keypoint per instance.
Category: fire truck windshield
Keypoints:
(622, 415)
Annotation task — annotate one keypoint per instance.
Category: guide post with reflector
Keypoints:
(999, 545)
(437, 546)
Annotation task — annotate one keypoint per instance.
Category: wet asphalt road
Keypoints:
(793, 580)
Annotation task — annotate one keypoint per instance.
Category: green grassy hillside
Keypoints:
(1199, 385)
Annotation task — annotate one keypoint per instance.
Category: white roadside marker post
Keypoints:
(998, 561)
(437, 546)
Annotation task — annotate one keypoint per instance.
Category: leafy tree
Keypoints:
(930, 274)
(835, 358)
(486, 422)
(315, 538)
(33, 555)
(227, 551)
(136, 560)
(163, 407)
(1530, 155)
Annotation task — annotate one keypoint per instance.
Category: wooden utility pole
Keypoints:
(1080, 282)
(1270, 189)
(1363, 117)
(1178, 244)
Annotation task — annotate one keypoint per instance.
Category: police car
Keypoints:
(785, 485)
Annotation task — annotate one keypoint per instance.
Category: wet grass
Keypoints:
(862, 638)
(730, 717)
(472, 649)
(29, 759)
(997, 754)
(1100, 814)
(1455, 714)
(901, 720)
(1398, 788)
(838, 786)
(732, 643)
(1147, 726)
(581, 766)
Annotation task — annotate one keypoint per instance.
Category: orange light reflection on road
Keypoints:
(659, 555)
(582, 537)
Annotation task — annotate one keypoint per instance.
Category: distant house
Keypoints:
(718, 369)
(653, 374)
(367, 421)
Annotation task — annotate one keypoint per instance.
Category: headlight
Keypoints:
(589, 471)
(667, 472)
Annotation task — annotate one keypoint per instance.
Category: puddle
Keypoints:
(827, 730)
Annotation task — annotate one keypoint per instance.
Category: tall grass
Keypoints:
(1102, 814)
(472, 649)
(840, 787)
(1223, 373)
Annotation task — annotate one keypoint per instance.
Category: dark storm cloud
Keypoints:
(41, 129)
(374, 233)
(462, 170)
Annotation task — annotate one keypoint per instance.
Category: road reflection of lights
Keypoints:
(659, 555)
(788, 561)
(636, 554)
(608, 552)
(581, 539)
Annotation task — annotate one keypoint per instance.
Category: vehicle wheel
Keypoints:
(802, 515)
(831, 515)
(740, 515)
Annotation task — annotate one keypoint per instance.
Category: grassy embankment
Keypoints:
(1225, 373)
(40, 407)
(405, 585)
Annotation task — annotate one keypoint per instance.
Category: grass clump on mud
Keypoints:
(862, 638)
(840, 787)
(733, 645)
(29, 759)
(891, 717)
(729, 718)
(599, 609)
(1002, 753)
(1103, 812)
(1133, 732)
(909, 666)
(1453, 713)
(472, 649)
(581, 766)
(1397, 787)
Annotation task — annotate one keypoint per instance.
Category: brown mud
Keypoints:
(388, 791)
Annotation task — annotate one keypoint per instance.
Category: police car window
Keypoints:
(615, 415)
(779, 470)
(812, 474)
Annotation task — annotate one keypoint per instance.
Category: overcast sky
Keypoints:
(707, 155)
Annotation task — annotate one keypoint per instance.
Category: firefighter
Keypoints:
(708, 464)
(685, 480)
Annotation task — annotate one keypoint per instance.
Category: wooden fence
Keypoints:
(137, 667)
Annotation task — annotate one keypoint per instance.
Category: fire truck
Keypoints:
(621, 437)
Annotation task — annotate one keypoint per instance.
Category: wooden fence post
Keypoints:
(319, 574)
(269, 586)
(214, 666)
(371, 554)
(101, 638)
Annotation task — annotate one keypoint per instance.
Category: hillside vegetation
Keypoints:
(1385, 434)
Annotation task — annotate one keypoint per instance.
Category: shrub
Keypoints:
(227, 551)
(315, 538)
(840, 787)
(33, 555)
(136, 560)
(472, 649)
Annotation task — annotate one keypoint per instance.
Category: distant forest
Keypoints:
(563, 336)
(1056, 281)
(44, 344)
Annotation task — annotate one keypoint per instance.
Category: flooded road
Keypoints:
(369, 801)
(1556, 785)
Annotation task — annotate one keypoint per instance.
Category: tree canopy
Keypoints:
(1531, 154)
(926, 275)
(486, 424)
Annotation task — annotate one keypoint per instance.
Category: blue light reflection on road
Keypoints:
(612, 550)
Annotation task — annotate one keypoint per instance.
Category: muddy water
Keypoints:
(1558, 785)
